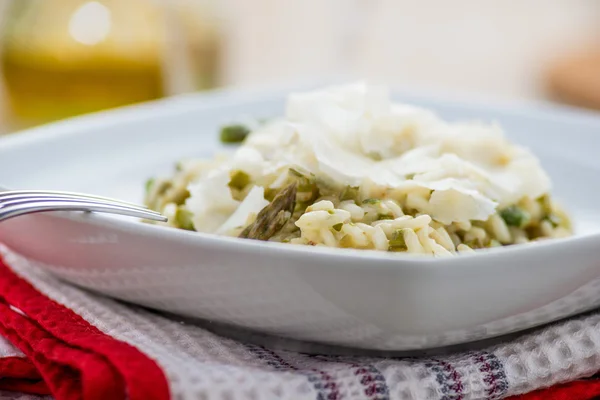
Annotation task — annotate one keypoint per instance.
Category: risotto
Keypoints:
(347, 167)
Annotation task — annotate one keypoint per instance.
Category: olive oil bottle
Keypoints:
(69, 57)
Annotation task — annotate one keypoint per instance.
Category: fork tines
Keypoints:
(15, 203)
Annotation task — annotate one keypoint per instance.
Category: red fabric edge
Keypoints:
(576, 390)
(18, 374)
(143, 378)
(25, 386)
(18, 367)
(60, 365)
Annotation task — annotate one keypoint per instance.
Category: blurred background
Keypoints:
(60, 58)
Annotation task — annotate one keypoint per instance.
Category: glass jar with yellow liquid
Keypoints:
(69, 57)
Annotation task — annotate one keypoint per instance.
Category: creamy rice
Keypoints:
(347, 167)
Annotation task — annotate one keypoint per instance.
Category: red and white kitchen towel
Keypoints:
(64, 343)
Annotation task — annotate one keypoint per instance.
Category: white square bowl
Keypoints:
(361, 299)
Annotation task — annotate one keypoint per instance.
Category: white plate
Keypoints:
(362, 299)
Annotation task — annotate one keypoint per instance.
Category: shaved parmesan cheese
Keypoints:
(354, 135)
(251, 206)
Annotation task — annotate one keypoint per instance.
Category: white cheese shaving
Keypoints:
(355, 135)
(251, 206)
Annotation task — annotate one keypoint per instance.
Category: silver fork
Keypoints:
(14, 203)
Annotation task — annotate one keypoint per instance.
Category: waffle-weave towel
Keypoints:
(61, 342)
